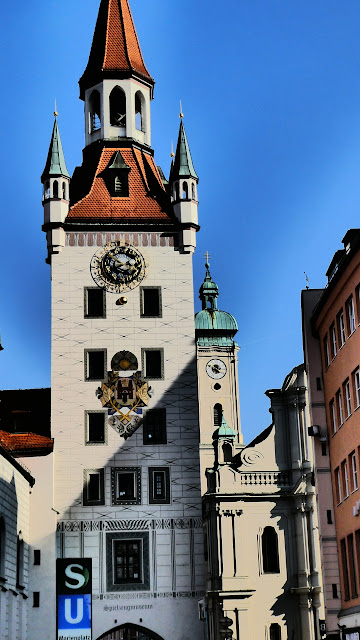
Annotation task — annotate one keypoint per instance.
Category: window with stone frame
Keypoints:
(275, 631)
(150, 302)
(341, 328)
(94, 487)
(20, 559)
(127, 561)
(95, 427)
(126, 485)
(159, 485)
(95, 364)
(350, 316)
(94, 302)
(270, 551)
(153, 363)
(154, 427)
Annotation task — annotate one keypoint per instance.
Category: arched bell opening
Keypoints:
(130, 632)
(94, 111)
(117, 105)
(139, 111)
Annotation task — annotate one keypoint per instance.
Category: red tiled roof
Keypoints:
(147, 197)
(25, 443)
(115, 47)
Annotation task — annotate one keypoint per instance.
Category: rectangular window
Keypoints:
(95, 431)
(350, 315)
(332, 416)
(37, 556)
(95, 364)
(338, 485)
(333, 343)
(153, 363)
(345, 478)
(329, 516)
(126, 485)
(150, 302)
(356, 385)
(127, 561)
(94, 491)
(351, 554)
(318, 384)
(94, 302)
(326, 351)
(354, 476)
(334, 591)
(345, 572)
(339, 409)
(159, 485)
(36, 599)
(346, 391)
(154, 427)
(341, 328)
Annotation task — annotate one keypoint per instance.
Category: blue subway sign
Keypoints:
(73, 594)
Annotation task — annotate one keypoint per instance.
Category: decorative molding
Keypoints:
(99, 239)
(128, 525)
(149, 596)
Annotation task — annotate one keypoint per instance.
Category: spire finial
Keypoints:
(207, 259)
(306, 279)
(56, 111)
(181, 115)
(172, 154)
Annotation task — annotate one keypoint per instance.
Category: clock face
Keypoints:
(216, 369)
(117, 267)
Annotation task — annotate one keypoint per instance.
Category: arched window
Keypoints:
(217, 415)
(227, 452)
(185, 191)
(64, 190)
(117, 104)
(20, 561)
(270, 551)
(139, 111)
(95, 111)
(2, 547)
(275, 631)
(47, 190)
(176, 191)
(193, 194)
(55, 189)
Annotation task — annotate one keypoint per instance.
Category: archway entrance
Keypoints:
(130, 632)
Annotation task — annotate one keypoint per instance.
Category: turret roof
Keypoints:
(183, 165)
(115, 50)
(55, 163)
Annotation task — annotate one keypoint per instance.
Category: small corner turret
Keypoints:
(183, 189)
(56, 182)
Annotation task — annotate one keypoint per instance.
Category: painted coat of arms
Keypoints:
(124, 394)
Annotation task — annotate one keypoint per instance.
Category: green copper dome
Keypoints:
(225, 431)
(215, 320)
(212, 326)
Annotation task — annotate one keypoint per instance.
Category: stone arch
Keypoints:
(130, 631)
(117, 106)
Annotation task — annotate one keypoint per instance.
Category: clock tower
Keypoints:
(124, 403)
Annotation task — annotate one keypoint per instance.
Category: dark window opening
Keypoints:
(218, 412)
(334, 591)
(139, 112)
(193, 194)
(217, 386)
(37, 556)
(323, 449)
(55, 189)
(318, 384)
(159, 485)
(227, 452)
(270, 551)
(185, 191)
(64, 190)
(275, 632)
(329, 516)
(93, 493)
(153, 363)
(20, 562)
(95, 111)
(36, 599)
(95, 301)
(150, 302)
(126, 487)
(96, 428)
(353, 580)
(345, 571)
(154, 427)
(117, 108)
(127, 561)
(47, 190)
(95, 365)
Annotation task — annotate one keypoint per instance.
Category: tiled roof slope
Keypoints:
(147, 197)
(115, 50)
(25, 444)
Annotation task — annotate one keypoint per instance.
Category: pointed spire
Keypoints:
(55, 163)
(183, 164)
(209, 290)
(115, 50)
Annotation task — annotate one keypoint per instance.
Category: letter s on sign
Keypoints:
(75, 573)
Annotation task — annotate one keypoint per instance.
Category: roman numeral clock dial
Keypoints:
(117, 267)
(216, 369)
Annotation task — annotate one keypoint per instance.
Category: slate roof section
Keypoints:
(147, 201)
(115, 50)
(25, 444)
(55, 163)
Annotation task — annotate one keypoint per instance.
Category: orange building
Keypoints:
(335, 321)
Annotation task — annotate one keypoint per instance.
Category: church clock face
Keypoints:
(117, 267)
(216, 369)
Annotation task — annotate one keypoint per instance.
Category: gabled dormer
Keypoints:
(116, 177)
(116, 85)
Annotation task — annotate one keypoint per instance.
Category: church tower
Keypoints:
(124, 404)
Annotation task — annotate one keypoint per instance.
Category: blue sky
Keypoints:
(271, 96)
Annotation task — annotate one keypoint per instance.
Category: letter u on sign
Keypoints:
(69, 606)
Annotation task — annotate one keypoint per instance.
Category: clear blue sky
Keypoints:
(271, 96)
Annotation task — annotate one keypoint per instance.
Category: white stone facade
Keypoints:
(15, 487)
